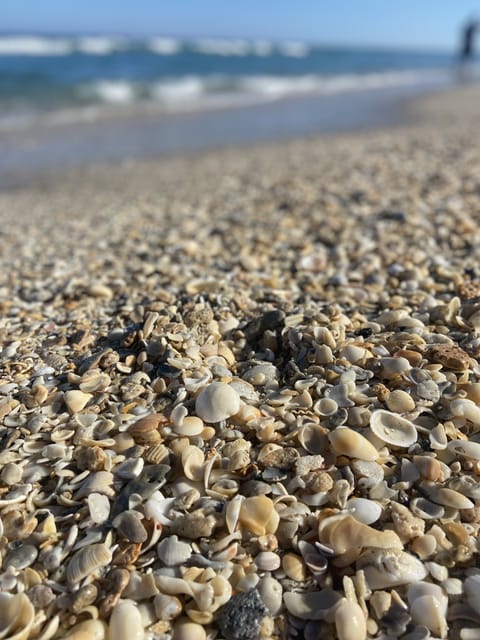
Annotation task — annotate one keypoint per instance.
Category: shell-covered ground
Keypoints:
(240, 393)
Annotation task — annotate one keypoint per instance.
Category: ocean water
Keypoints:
(71, 76)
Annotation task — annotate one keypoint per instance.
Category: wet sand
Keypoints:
(270, 353)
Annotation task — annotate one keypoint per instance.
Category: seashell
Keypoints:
(426, 509)
(98, 482)
(192, 463)
(400, 401)
(172, 552)
(393, 429)
(94, 380)
(12, 473)
(350, 621)
(294, 567)
(232, 513)
(464, 408)
(369, 473)
(391, 367)
(428, 606)
(267, 561)
(21, 557)
(258, 515)
(128, 524)
(76, 400)
(86, 561)
(190, 426)
(467, 486)
(16, 616)
(126, 622)
(312, 605)
(130, 468)
(472, 590)
(385, 568)
(167, 607)
(87, 630)
(346, 442)
(270, 591)
(363, 510)
(261, 374)
(438, 438)
(446, 497)
(188, 631)
(465, 448)
(145, 430)
(217, 401)
(343, 533)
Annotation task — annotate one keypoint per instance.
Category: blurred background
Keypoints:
(108, 80)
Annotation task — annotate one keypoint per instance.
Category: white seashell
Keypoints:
(190, 426)
(173, 552)
(178, 415)
(86, 561)
(464, 408)
(232, 512)
(472, 589)
(167, 607)
(428, 607)
(99, 507)
(157, 508)
(192, 462)
(350, 621)
(393, 429)
(446, 497)
(366, 511)
(130, 468)
(392, 366)
(218, 401)
(126, 622)
(438, 438)
(465, 448)
(98, 482)
(270, 591)
(16, 616)
(312, 605)
(385, 568)
(189, 631)
(353, 353)
(267, 561)
(426, 509)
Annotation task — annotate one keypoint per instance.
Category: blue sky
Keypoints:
(409, 23)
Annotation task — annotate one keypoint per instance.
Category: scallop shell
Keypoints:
(393, 429)
(218, 401)
(126, 622)
(16, 616)
(86, 561)
(347, 442)
(173, 552)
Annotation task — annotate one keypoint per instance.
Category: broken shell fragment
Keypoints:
(343, 533)
(86, 561)
(385, 568)
(126, 622)
(173, 552)
(350, 621)
(393, 429)
(16, 616)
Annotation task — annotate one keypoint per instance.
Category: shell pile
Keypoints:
(252, 412)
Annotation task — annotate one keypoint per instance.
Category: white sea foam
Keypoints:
(294, 49)
(114, 91)
(262, 48)
(211, 46)
(34, 46)
(97, 46)
(179, 91)
(164, 46)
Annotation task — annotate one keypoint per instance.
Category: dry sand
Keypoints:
(329, 289)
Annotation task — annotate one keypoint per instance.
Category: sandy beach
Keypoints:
(239, 390)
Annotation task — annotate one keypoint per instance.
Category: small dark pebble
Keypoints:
(364, 332)
(241, 617)
(396, 620)
(269, 320)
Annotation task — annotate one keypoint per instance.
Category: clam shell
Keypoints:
(270, 591)
(465, 448)
(393, 429)
(88, 630)
(363, 510)
(472, 591)
(294, 567)
(267, 561)
(86, 561)
(347, 442)
(16, 616)
(76, 400)
(126, 622)
(428, 606)
(218, 401)
(258, 515)
(173, 552)
(446, 497)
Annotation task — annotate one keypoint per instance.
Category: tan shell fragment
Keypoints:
(350, 621)
(16, 616)
(385, 568)
(393, 429)
(126, 622)
(88, 630)
(258, 515)
(145, 430)
(347, 442)
(76, 400)
(447, 497)
(344, 533)
(86, 561)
